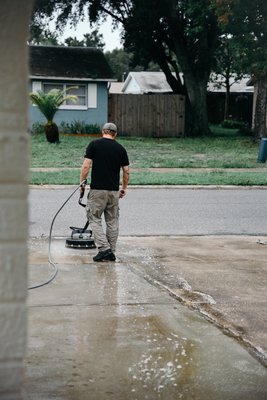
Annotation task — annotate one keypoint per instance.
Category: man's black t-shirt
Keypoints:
(108, 157)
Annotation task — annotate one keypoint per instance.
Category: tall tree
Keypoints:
(247, 22)
(228, 67)
(176, 34)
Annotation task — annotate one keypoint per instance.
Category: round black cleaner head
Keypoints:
(80, 239)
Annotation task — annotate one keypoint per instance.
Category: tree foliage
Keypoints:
(48, 104)
(92, 39)
(228, 67)
(246, 21)
(45, 38)
(122, 62)
(178, 35)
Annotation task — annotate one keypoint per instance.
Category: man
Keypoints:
(106, 157)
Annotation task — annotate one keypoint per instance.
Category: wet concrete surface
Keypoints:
(150, 326)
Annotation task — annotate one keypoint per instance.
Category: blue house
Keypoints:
(58, 67)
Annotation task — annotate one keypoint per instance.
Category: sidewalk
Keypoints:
(146, 327)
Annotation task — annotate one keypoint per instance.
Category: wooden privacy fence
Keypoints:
(151, 115)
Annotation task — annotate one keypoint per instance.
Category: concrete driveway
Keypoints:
(174, 317)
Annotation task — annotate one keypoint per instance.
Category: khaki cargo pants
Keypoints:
(104, 202)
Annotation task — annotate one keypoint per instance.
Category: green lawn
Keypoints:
(224, 149)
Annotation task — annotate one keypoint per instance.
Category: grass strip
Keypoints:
(72, 177)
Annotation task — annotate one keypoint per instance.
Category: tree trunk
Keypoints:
(227, 95)
(261, 109)
(51, 132)
(197, 115)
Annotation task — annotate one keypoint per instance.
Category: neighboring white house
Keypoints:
(155, 82)
(146, 82)
(217, 84)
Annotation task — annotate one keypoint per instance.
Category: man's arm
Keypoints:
(85, 169)
(125, 180)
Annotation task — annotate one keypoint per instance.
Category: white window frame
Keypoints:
(36, 85)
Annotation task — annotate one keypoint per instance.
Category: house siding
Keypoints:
(132, 87)
(96, 115)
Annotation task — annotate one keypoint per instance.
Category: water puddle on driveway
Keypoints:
(101, 332)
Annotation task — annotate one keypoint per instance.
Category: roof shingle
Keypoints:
(69, 62)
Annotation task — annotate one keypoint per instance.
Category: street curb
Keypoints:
(191, 187)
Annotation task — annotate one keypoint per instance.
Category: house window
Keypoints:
(80, 92)
(77, 90)
(86, 93)
(50, 86)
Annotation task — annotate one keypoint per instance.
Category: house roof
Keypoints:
(155, 82)
(69, 62)
(146, 82)
(115, 87)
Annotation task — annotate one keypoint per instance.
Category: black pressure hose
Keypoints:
(55, 269)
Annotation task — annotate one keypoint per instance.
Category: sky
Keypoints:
(111, 38)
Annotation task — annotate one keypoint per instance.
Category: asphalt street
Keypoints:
(158, 211)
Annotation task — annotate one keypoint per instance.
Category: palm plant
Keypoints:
(48, 104)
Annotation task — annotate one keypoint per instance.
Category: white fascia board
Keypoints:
(126, 82)
(59, 78)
